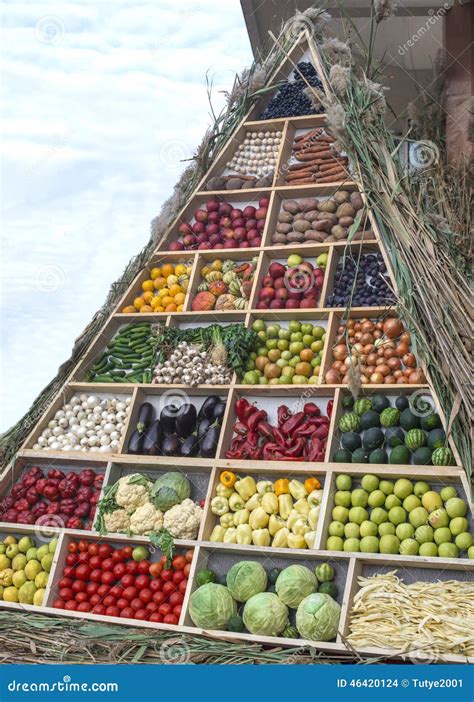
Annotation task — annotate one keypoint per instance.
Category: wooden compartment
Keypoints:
(221, 559)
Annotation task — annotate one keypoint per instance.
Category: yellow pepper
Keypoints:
(315, 497)
(230, 536)
(275, 524)
(311, 484)
(222, 491)
(292, 518)
(254, 502)
(285, 505)
(261, 537)
(227, 520)
(296, 541)
(258, 518)
(244, 534)
(301, 526)
(236, 502)
(246, 487)
(217, 533)
(313, 516)
(282, 487)
(297, 489)
(270, 503)
(264, 486)
(228, 479)
(310, 538)
(302, 506)
(241, 517)
(219, 505)
(280, 540)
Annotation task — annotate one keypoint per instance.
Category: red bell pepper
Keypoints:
(54, 474)
(244, 409)
(241, 428)
(86, 476)
(51, 492)
(312, 409)
(255, 419)
(292, 423)
(279, 437)
(265, 429)
(283, 414)
(329, 408)
(297, 449)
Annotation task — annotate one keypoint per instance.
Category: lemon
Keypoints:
(147, 286)
(138, 302)
(155, 273)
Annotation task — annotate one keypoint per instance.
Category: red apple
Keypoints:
(279, 283)
(308, 303)
(230, 244)
(255, 243)
(251, 224)
(238, 222)
(214, 218)
(252, 234)
(262, 305)
(176, 246)
(261, 213)
(261, 225)
(212, 229)
(277, 304)
(185, 228)
(267, 282)
(292, 304)
(225, 208)
(244, 244)
(218, 246)
(199, 227)
(294, 295)
(202, 237)
(227, 234)
(277, 270)
(240, 234)
(225, 222)
(201, 216)
(189, 240)
(266, 292)
(204, 245)
(212, 205)
(214, 239)
(264, 202)
(236, 214)
(281, 294)
(249, 212)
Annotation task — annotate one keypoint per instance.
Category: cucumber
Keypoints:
(140, 366)
(118, 373)
(103, 379)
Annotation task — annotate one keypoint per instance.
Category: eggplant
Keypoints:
(185, 420)
(170, 445)
(202, 428)
(208, 407)
(209, 443)
(146, 414)
(190, 446)
(135, 443)
(152, 439)
(218, 411)
(168, 418)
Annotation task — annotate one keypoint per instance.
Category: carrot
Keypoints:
(308, 135)
(308, 156)
(303, 181)
(332, 164)
(334, 177)
(300, 166)
(300, 174)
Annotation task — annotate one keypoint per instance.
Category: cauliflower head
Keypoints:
(130, 496)
(117, 521)
(146, 519)
(182, 521)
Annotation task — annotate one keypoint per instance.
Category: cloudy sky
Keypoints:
(101, 101)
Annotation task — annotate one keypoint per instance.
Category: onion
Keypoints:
(372, 359)
(383, 369)
(358, 336)
(368, 348)
(379, 325)
(376, 378)
(338, 365)
(364, 380)
(406, 338)
(357, 327)
(369, 370)
(340, 330)
(401, 380)
(397, 374)
(389, 379)
(377, 334)
(366, 338)
(417, 377)
(340, 352)
(402, 349)
(394, 363)
(332, 377)
(409, 360)
(350, 323)
(368, 326)
(392, 328)
(389, 353)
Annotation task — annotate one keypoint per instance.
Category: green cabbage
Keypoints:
(265, 614)
(170, 489)
(246, 579)
(317, 617)
(211, 606)
(294, 584)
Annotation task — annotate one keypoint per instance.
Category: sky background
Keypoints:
(100, 102)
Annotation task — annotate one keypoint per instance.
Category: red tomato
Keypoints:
(186, 569)
(66, 593)
(142, 614)
(163, 560)
(58, 603)
(69, 571)
(182, 586)
(84, 607)
(178, 562)
(112, 611)
(98, 609)
(189, 555)
(78, 586)
(105, 550)
(91, 588)
(71, 605)
(83, 572)
(132, 567)
(127, 613)
(81, 597)
(122, 603)
(72, 547)
(107, 577)
(127, 580)
(95, 562)
(109, 601)
(93, 549)
(155, 569)
(155, 585)
(103, 590)
(65, 582)
(83, 545)
(159, 597)
(178, 577)
(143, 567)
(129, 593)
(96, 600)
(83, 557)
(96, 575)
(145, 595)
(167, 574)
(170, 619)
(117, 555)
(177, 610)
(156, 617)
(127, 551)
(116, 591)
(176, 598)
(142, 581)
(151, 607)
(168, 588)
(136, 604)
(71, 559)
(164, 608)
(107, 564)
(120, 569)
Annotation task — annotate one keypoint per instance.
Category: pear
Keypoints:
(32, 569)
(3, 548)
(52, 545)
(19, 562)
(10, 594)
(19, 578)
(41, 579)
(38, 597)
(9, 540)
(42, 551)
(47, 561)
(32, 554)
(25, 543)
(26, 593)
(4, 562)
(12, 550)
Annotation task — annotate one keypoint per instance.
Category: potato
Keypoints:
(366, 235)
(345, 210)
(301, 225)
(330, 238)
(311, 235)
(291, 206)
(341, 196)
(285, 218)
(339, 232)
(327, 206)
(346, 221)
(312, 214)
(298, 216)
(329, 216)
(356, 200)
(216, 183)
(283, 228)
(261, 183)
(308, 203)
(234, 184)
(279, 238)
(295, 236)
(322, 225)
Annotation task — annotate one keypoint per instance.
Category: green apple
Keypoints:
(336, 529)
(340, 514)
(420, 488)
(386, 486)
(294, 260)
(431, 500)
(386, 529)
(397, 515)
(370, 482)
(25, 543)
(343, 482)
(447, 492)
(458, 525)
(358, 515)
(351, 531)
(376, 498)
(359, 498)
(369, 544)
(448, 550)
(424, 534)
(140, 553)
(335, 543)
(368, 528)
(428, 549)
(442, 535)
(418, 516)
(402, 488)
(258, 325)
(284, 334)
(378, 515)
(463, 541)
(12, 550)
(455, 507)
(411, 502)
(470, 552)
(409, 547)
(389, 544)
(342, 497)
(392, 501)
(319, 332)
(404, 531)
(352, 545)
(438, 518)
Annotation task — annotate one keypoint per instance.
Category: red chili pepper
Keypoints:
(273, 452)
(244, 409)
(297, 448)
(283, 414)
(321, 432)
(241, 428)
(329, 408)
(279, 438)
(311, 409)
(314, 448)
(292, 423)
(255, 419)
(265, 429)
(305, 429)
(235, 447)
(252, 439)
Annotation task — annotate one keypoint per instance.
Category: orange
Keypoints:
(167, 270)
(159, 283)
(179, 298)
(167, 300)
(147, 285)
(148, 297)
(175, 290)
(129, 309)
(146, 308)
(171, 307)
(138, 302)
(155, 273)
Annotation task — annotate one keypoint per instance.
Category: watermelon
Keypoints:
(436, 438)
(402, 403)
(432, 421)
(360, 455)
(342, 456)
(394, 436)
(348, 402)
(400, 455)
(389, 417)
(373, 439)
(351, 441)
(422, 456)
(442, 457)
(415, 439)
(408, 420)
(380, 402)
(362, 405)
(349, 422)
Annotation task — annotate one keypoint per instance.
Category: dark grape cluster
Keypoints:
(290, 100)
(371, 283)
